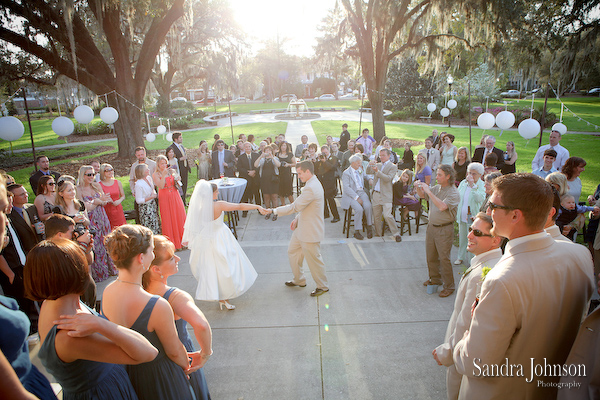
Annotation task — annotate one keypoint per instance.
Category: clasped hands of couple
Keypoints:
(269, 211)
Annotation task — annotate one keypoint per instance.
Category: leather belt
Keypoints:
(446, 224)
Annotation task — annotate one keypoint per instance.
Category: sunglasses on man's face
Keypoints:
(478, 233)
(493, 206)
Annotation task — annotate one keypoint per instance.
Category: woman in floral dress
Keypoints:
(94, 198)
(203, 161)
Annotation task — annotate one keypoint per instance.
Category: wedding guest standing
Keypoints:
(155, 282)
(472, 196)
(247, 171)
(94, 199)
(203, 161)
(268, 170)
(172, 161)
(461, 163)
(448, 150)
(44, 201)
(114, 188)
(288, 161)
(181, 155)
(510, 159)
(423, 171)
(408, 160)
(144, 197)
(172, 211)
(573, 167)
(80, 349)
(43, 165)
(126, 303)
(67, 203)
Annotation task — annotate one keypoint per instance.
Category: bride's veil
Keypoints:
(200, 212)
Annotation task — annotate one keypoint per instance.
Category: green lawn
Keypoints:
(245, 108)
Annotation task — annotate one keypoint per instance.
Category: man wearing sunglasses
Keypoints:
(531, 303)
(486, 249)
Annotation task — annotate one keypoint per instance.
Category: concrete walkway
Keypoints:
(369, 337)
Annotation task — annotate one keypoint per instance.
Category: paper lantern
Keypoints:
(505, 120)
(63, 126)
(161, 129)
(109, 115)
(560, 127)
(431, 107)
(169, 137)
(83, 114)
(452, 104)
(151, 137)
(11, 128)
(529, 128)
(486, 121)
(444, 112)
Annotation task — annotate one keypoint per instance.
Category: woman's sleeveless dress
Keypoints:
(197, 379)
(114, 213)
(172, 212)
(102, 267)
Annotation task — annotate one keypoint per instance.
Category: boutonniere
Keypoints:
(484, 272)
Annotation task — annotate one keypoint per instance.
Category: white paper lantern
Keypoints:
(505, 120)
(161, 129)
(169, 137)
(486, 121)
(63, 126)
(560, 127)
(444, 112)
(529, 128)
(431, 107)
(83, 114)
(452, 104)
(109, 115)
(151, 137)
(11, 128)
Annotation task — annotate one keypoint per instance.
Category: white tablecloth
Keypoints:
(232, 193)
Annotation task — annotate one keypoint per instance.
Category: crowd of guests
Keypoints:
(78, 227)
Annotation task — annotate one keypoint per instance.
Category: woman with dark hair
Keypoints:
(448, 150)
(217, 260)
(573, 167)
(287, 159)
(408, 158)
(46, 194)
(79, 348)
(461, 163)
(268, 171)
(251, 141)
(126, 303)
(155, 282)
(360, 149)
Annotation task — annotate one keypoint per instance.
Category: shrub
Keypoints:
(95, 128)
(180, 124)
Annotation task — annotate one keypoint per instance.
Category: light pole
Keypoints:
(450, 81)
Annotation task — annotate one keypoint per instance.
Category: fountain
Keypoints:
(297, 109)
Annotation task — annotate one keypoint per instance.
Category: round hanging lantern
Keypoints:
(529, 128)
(452, 104)
(560, 127)
(169, 137)
(444, 112)
(431, 107)
(63, 126)
(109, 115)
(151, 137)
(83, 114)
(486, 121)
(161, 129)
(11, 128)
(505, 120)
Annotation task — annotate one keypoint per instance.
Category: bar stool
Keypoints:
(349, 221)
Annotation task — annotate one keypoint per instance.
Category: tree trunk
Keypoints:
(376, 100)
(128, 128)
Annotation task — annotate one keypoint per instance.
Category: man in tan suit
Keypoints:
(309, 230)
(383, 193)
(531, 304)
(486, 249)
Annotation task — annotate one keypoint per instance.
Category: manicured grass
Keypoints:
(585, 146)
(244, 108)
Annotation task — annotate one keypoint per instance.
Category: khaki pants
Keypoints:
(438, 244)
(381, 208)
(297, 251)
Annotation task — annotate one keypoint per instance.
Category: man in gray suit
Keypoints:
(531, 303)
(383, 193)
(354, 195)
(309, 230)
(301, 146)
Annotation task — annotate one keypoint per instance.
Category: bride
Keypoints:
(217, 260)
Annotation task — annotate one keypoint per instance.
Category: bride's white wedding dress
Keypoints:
(217, 260)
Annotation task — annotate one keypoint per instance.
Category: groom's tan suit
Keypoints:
(309, 232)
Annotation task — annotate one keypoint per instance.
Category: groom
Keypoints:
(309, 230)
